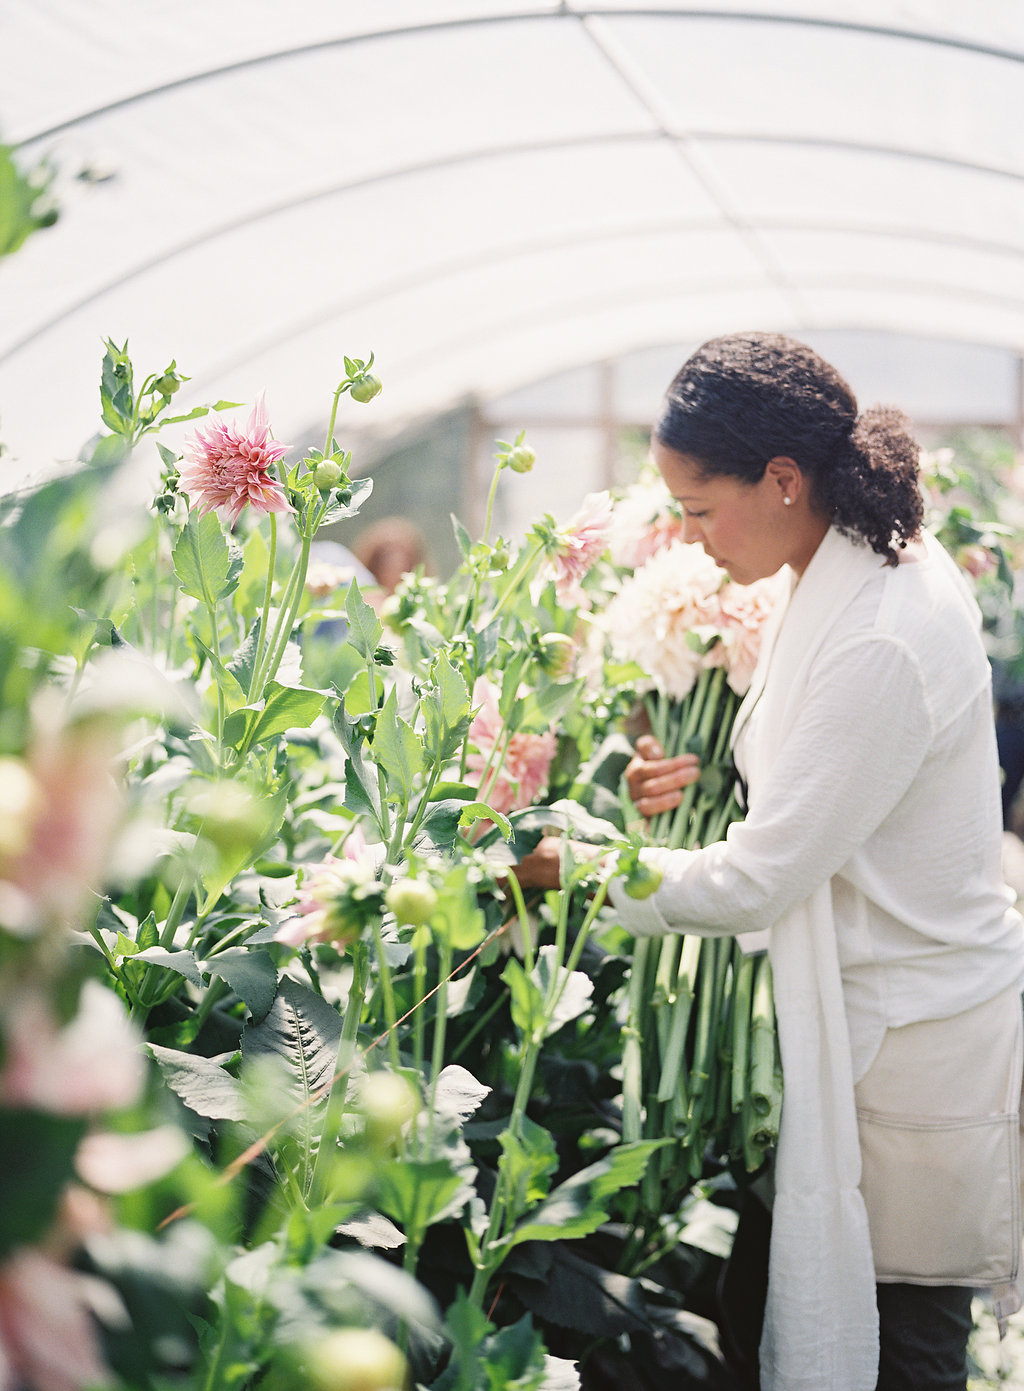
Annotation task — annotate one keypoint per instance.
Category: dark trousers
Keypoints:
(923, 1329)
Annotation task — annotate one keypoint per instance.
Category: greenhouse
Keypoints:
(513, 696)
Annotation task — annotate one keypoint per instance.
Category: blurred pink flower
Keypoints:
(523, 774)
(59, 809)
(976, 561)
(48, 1340)
(579, 543)
(92, 1063)
(229, 466)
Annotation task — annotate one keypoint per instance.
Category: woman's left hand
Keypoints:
(541, 868)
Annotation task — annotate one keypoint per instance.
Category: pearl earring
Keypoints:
(787, 501)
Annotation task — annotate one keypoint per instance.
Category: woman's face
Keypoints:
(747, 528)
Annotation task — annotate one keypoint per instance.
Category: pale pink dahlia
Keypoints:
(229, 467)
(744, 610)
(579, 543)
(643, 522)
(523, 774)
(48, 1340)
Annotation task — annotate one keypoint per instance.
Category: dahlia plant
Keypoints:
(362, 1103)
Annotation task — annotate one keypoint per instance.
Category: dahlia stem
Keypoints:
(267, 595)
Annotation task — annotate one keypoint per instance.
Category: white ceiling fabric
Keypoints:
(484, 193)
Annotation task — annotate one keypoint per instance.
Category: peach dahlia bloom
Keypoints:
(524, 772)
(229, 466)
(579, 543)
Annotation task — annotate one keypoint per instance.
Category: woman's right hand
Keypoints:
(655, 782)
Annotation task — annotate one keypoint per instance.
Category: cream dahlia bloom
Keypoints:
(229, 467)
(665, 614)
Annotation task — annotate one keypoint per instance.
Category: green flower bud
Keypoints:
(520, 459)
(365, 387)
(168, 384)
(387, 1103)
(643, 880)
(327, 475)
(411, 900)
(356, 1359)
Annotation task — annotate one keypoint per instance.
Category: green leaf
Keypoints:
(578, 1206)
(304, 1030)
(242, 663)
(457, 918)
(480, 811)
(462, 537)
(445, 709)
(202, 1084)
(359, 490)
(285, 708)
(527, 1162)
(364, 627)
(418, 1193)
(526, 1000)
(206, 565)
(37, 1151)
(250, 973)
(182, 962)
(398, 749)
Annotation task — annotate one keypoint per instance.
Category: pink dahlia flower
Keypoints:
(523, 774)
(579, 543)
(229, 467)
(325, 912)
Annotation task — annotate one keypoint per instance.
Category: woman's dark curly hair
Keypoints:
(744, 399)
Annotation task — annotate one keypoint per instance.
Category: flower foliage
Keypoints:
(254, 884)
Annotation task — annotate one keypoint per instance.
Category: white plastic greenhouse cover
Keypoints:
(485, 193)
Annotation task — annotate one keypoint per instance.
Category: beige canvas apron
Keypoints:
(938, 1115)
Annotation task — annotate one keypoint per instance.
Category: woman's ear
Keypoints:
(786, 475)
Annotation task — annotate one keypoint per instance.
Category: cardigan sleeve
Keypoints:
(853, 751)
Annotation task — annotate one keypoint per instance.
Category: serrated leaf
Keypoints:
(364, 627)
(480, 811)
(250, 973)
(202, 1083)
(398, 749)
(304, 1030)
(445, 710)
(181, 962)
(206, 565)
(418, 1193)
(360, 489)
(284, 708)
(578, 1206)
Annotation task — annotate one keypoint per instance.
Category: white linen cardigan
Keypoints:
(871, 848)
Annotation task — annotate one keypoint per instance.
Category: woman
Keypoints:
(871, 849)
